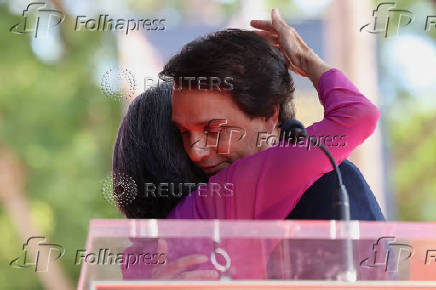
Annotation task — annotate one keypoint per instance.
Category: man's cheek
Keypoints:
(245, 147)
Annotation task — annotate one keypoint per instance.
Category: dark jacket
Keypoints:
(317, 201)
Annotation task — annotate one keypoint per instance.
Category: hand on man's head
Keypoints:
(302, 60)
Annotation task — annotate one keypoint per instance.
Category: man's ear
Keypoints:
(271, 122)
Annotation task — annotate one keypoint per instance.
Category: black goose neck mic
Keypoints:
(292, 130)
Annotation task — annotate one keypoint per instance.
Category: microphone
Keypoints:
(292, 130)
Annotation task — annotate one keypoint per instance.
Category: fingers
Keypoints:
(263, 24)
(296, 70)
(273, 39)
(274, 25)
(292, 67)
(162, 246)
(188, 261)
(299, 72)
(279, 34)
(175, 268)
(270, 37)
(277, 22)
(199, 274)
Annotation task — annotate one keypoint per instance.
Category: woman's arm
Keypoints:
(268, 184)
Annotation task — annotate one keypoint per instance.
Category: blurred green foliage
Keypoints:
(61, 127)
(414, 158)
(411, 128)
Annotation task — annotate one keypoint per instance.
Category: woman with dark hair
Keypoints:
(149, 151)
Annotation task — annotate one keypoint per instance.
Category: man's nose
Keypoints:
(198, 149)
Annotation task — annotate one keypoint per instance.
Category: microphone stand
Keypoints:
(294, 129)
(342, 213)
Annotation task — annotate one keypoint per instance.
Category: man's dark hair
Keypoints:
(259, 72)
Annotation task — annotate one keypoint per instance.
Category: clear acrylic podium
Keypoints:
(124, 254)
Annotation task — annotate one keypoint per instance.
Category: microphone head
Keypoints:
(292, 129)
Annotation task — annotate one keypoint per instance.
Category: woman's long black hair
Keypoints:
(149, 149)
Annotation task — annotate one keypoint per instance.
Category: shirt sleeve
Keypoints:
(268, 184)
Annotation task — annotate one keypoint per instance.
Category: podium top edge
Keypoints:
(311, 229)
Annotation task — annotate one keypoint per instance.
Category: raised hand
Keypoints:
(301, 59)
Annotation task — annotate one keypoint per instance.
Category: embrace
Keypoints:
(202, 127)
